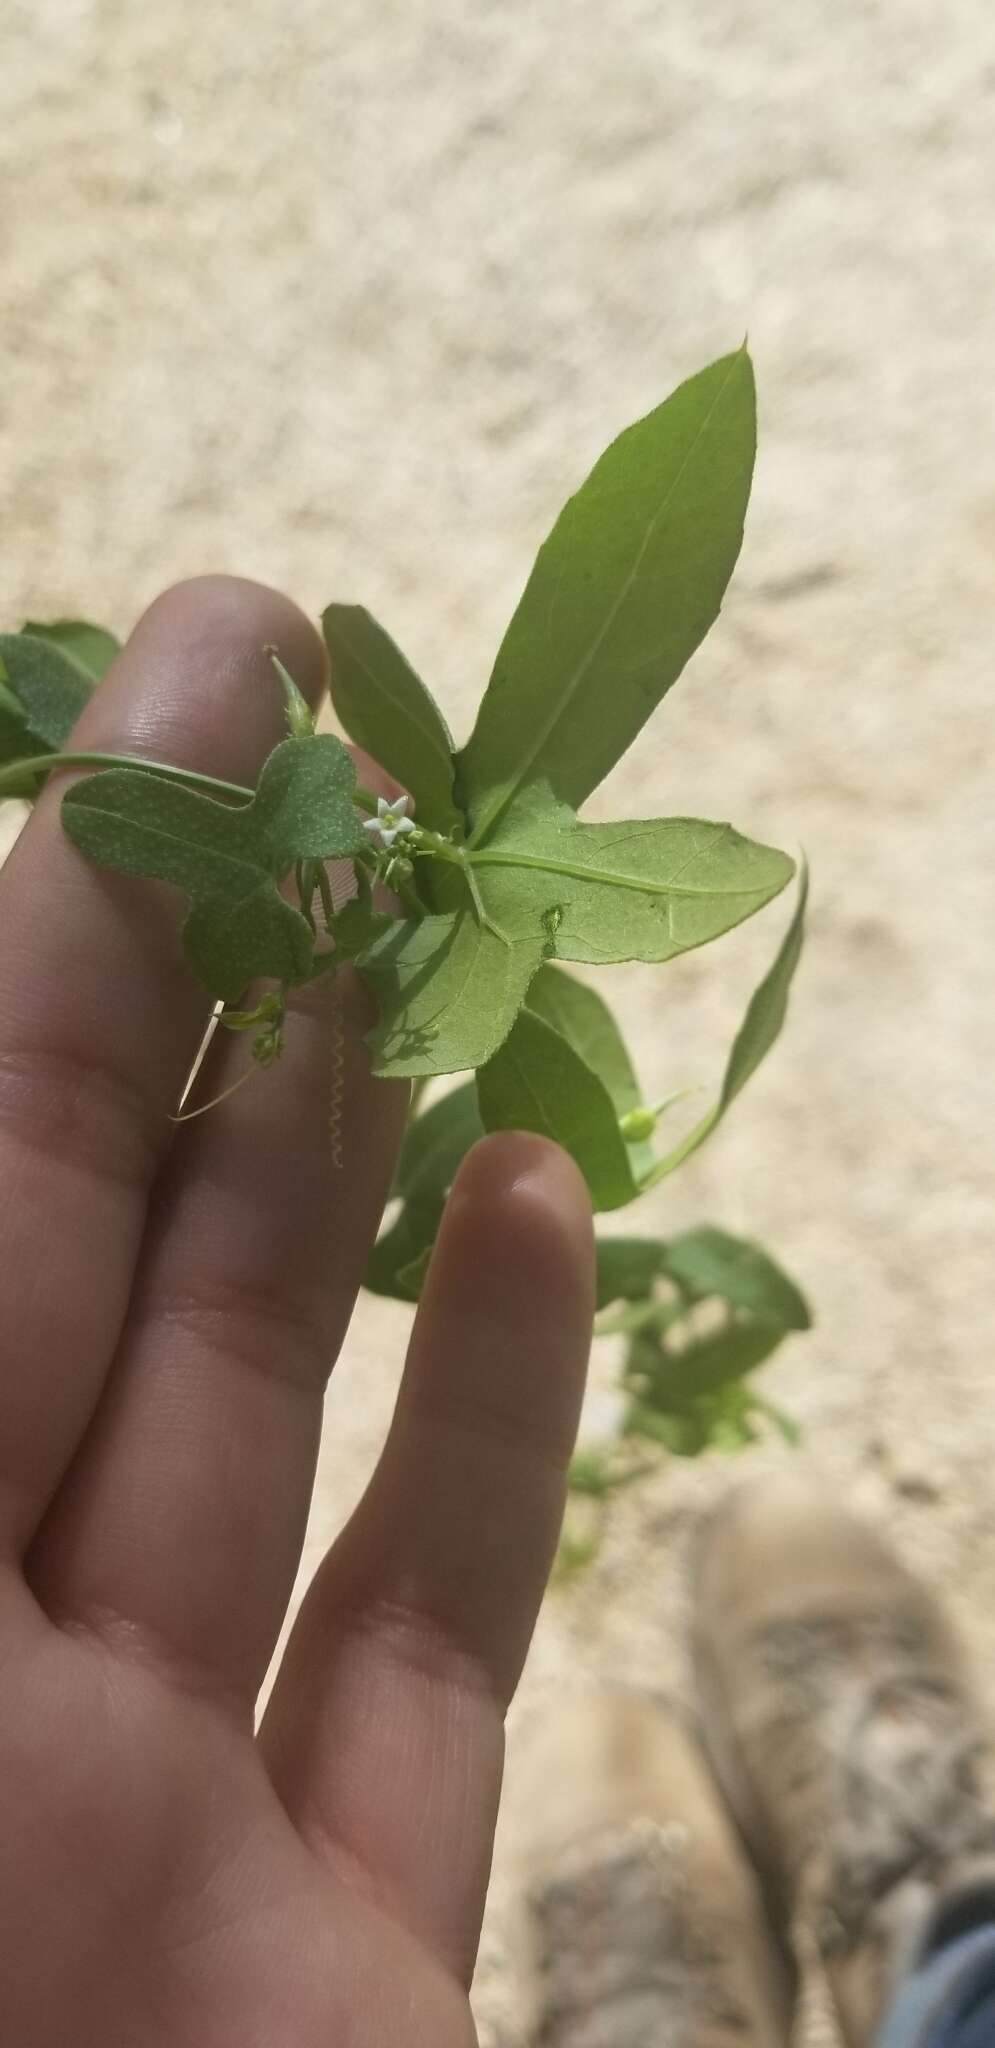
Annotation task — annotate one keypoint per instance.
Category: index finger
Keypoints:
(100, 1019)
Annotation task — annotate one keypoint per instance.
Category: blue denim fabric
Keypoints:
(949, 2001)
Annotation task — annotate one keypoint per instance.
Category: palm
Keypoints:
(160, 1895)
(168, 1876)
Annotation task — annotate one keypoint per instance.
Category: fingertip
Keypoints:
(243, 619)
(509, 1163)
(519, 1214)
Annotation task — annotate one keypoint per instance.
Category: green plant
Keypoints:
(499, 883)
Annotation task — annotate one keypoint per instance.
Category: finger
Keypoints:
(179, 1528)
(99, 1020)
(384, 1734)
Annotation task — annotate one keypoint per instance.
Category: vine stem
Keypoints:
(46, 764)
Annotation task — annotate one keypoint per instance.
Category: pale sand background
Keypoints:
(347, 298)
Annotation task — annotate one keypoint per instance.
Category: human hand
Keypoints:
(172, 1299)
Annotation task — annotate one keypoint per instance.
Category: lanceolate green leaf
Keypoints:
(92, 648)
(760, 1027)
(636, 890)
(386, 709)
(623, 591)
(435, 1143)
(537, 1082)
(50, 688)
(394, 1267)
(449, 989)
(579, 1015)
(229, 859)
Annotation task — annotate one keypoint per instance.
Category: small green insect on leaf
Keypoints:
(385, 708)
(92, 648)
(622, 592)
(229, 859)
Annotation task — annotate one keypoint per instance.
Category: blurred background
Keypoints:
(349, 298)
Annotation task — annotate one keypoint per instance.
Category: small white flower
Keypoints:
(391, 821)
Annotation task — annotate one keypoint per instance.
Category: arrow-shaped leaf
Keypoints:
(228, 859)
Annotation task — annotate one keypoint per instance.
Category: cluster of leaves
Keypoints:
(696, 1316)
(499, 880)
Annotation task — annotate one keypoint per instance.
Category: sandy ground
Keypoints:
(348, 299)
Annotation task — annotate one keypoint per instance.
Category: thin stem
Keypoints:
(408, 894)
(305, 877)
(325, 892)
(639, 1316)
(186, 1116)
(434, 847)
(45, 764)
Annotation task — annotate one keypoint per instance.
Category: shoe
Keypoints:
(647, 1929)
(837, 1718)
